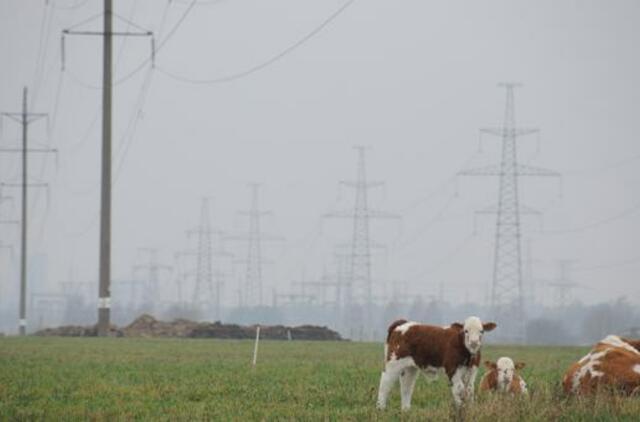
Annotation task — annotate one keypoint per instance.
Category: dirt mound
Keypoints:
(77, 331)
(147, 326)
(275, 332)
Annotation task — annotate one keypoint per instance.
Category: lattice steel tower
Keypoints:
(251, 293)
(507, 295)
(203, 293)
(359, 289)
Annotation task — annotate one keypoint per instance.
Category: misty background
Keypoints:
(293, 86)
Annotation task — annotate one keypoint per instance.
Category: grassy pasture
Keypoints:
(163, 379)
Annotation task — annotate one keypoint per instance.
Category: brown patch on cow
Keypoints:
(515, 387)
(430, 345)
(614, 370)
(632, 342)
(489, 381)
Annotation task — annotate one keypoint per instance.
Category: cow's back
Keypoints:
(606, 365)
(426, 344)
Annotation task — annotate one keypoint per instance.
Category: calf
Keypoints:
(502, 377)
(614, 362)
(411, 347)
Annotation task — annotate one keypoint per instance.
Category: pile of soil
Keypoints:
(275, 332)
(76, 331)
(147, 326)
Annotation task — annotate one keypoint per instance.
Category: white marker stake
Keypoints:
(255, 348)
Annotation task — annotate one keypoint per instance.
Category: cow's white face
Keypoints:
(506, 368)
(473, 332)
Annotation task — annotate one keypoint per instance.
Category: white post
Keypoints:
(255, 348)
(288, 334)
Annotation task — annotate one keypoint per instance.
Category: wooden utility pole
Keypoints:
(107, 33)
(24, 118)
(104, 299)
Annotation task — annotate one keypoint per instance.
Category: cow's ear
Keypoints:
(457, 325)
(489, 326)
(490, 365)
(520, 365)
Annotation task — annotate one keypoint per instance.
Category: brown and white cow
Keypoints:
(503, 378)
(411, 346)
(614, 363)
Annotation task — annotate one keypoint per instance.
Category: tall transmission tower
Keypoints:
(24, 118)
(507, 294)
(252, 292)
(107, 34)
(203, 293)
(181, 273)
(153, 269)
(209, 275)
(359, 288)
(563, 285)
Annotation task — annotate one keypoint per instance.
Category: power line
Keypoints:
(622, 214)
(416, 234)
(266, 63)
(43, 42)
(452, 253)
(201, 2)
(609, 265)
(71, 6)
(605, 167)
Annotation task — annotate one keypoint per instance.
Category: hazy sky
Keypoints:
(414, 80)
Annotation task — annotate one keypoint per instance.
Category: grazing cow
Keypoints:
(614, 362)
(412, 346)
(502, 377)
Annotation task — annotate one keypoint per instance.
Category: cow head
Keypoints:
(505, 369)
(472, 330)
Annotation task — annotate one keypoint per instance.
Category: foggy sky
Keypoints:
(414, 80)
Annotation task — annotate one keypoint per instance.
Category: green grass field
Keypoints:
(160, 379)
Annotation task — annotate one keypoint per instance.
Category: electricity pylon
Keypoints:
(251, 293)
(153, 270)
(203, 293)
(24, 118)
(563, 285)
(507, 294)
(359, 289)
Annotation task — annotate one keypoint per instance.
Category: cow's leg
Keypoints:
(471, 382)
(407, 382)
(458, 385)
(389, 376)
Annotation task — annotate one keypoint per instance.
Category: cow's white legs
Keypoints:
(458, 385)
(407, 382)
(471, 382)
(391, 373)
(387, 379)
